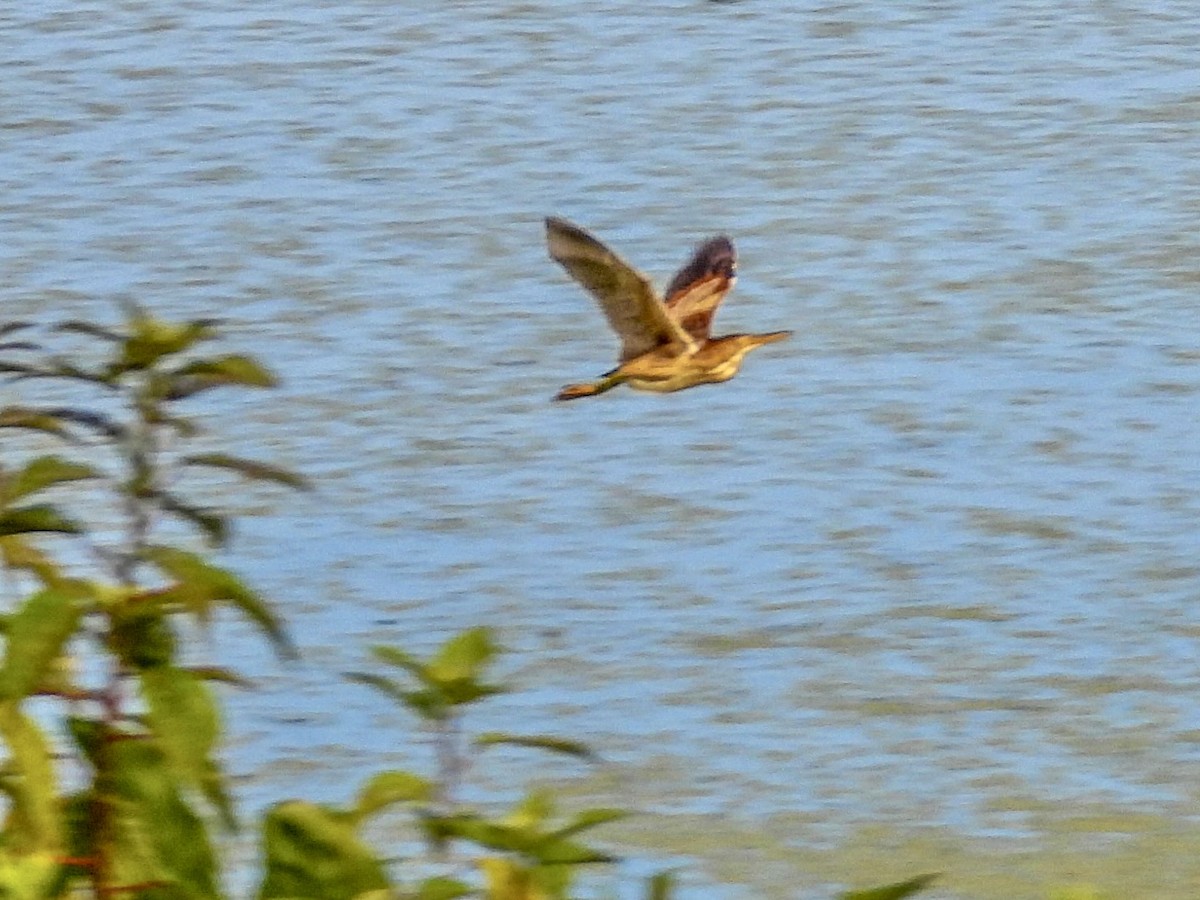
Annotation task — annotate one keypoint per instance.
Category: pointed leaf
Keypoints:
(660, 886)
(401, 660)
(43, 472)
(88, 735)
(37, 633)
(56, 368)
(213, 786)
(311, 852)
(34, 821)
(389, 788)
(97, 422)
(249, 468)
(53, 419)
(205, 374)
(18, 553)
(591, 818)
(9, 346)
(212, 524)
(464, 656)
(33, 420)
(528, 841)
(504, 879)
(380, 682)
(29, 876)
(183, 716)
(207, 583)
(221, 675)
(534, 809)
(181, 424)
(892, 891)
(537, 741)
(479, 831)
(426, 704)
(38, 517)
(154, 835)
(560, 852)
(151, 339)
(90, 328)
(441, 888)
(61, 368)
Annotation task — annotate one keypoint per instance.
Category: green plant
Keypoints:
(145, 726)
(525, 854)
(102, 610)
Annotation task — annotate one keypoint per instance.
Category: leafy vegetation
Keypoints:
(105, 611)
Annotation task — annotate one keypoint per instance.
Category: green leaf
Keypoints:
(90, 328)
(38, 517)
(142, 636)
(153, 835)
(529, 842)
(537, 741)
(442, 888)
(199, 585)
(34, 821)
(221, 675)
(37, 633)
(534, 809)
(313, 852)
(464, 656)
(97, 422)
(386, 789)
(381, 683)
(660, 886)
(57, 368)
(29, 876)
(151, 339)
(43, 472)
(213, 786)
(18, 553)
(184, 718)
(205, 374)
(88, 736)
(892, 891)
(427, 704)
(591, 818)
(394, 656)
(54, 419)
(33, 420)
(249, 468)
(212, 524)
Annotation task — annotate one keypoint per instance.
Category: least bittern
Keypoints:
(665, 343)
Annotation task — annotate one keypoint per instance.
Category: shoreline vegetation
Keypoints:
(100, 469)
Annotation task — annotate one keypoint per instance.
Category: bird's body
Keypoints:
(665, 344)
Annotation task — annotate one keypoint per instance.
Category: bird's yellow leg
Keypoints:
(589, 388)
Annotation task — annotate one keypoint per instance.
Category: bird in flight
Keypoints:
(666, 344)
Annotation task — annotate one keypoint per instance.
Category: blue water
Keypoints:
(942, 540)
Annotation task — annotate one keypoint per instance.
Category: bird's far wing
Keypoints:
(626, 295)
(698, 289)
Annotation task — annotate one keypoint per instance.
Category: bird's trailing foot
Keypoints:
(587, 389)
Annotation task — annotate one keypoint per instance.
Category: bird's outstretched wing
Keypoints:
(626, 295)
(698, 289)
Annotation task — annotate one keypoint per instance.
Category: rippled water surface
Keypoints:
(929, 568)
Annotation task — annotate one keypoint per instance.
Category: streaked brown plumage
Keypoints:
(666, 345)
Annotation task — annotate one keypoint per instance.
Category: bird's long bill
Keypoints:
(771, 337)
